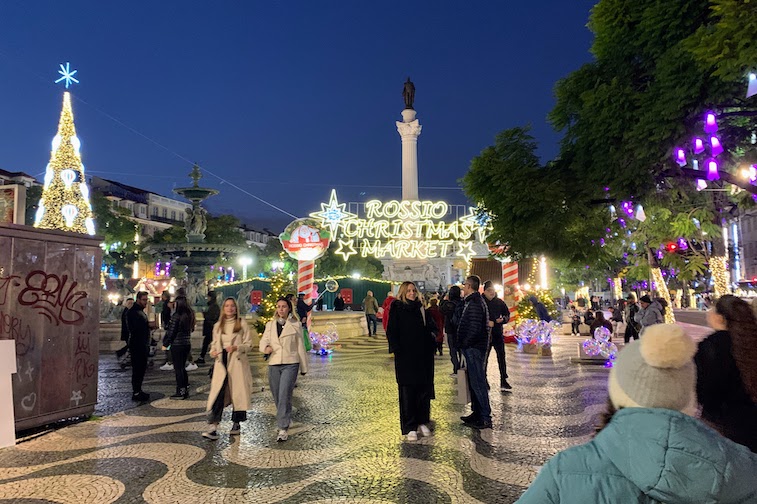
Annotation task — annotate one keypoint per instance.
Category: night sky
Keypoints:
(283, 99)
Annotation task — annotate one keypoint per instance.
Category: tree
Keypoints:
(118, 234)
(65, 197)
(280, 287)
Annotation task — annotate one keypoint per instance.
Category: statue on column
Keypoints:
(408, 93)
(196, 221)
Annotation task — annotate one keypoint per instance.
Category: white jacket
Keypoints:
(289, 348)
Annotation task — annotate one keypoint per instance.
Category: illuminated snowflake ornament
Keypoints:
(67, 75)
(333, 213)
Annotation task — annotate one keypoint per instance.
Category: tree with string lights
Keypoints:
(65, 201)
(280, 287)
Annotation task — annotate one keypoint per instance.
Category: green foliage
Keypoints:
(280, 287)
(526, 308)
(118, 232)
(224, 229)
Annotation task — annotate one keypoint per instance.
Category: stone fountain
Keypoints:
(195, 254)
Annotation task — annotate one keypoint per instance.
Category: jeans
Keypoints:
(415, 406)
(575, 327)
(179, 354)
(206, 339)
(454, 353)
(371, 318)
(281, 378)
(139, 355)
(474, 360)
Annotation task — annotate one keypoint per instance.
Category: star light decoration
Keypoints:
(67, 75)
(333, 213)
(482, 221)
(346, 248)
(465, 250)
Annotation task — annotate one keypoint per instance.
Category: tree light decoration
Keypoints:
(536, 332)
(719, 269)
(716, 147)
(681, 157)
(751, 89)
(65, 205)
(601, 345)
(698, 146)
(701, 184)
(658, 282)
(67, 75)
(712, 170)
(710, 123)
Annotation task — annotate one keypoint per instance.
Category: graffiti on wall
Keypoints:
(53, 297)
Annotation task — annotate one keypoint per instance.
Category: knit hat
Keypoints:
(656, 371)
(646, 299)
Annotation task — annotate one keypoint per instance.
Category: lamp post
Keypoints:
(245, 261)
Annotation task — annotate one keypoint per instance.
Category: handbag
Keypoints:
(306, 339)
(463, 392)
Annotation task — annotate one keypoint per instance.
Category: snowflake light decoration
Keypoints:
(333, 213)
(67, 75)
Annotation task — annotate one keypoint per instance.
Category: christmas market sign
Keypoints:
(402, 229)
(304, 241)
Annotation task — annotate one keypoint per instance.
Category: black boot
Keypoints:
(181, 393)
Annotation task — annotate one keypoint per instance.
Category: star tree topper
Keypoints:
(67, 75)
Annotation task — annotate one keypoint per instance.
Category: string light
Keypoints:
(662, 288)
(719, 270)
(64, 203)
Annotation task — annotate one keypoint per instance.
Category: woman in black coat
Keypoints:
(177, 340)
(411, 340)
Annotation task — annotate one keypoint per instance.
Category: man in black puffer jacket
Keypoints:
(139, 345)
(473, 340)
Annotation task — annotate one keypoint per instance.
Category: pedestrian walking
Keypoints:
(139, 345)
(177, 340)
(473, 339)
(499, 315)
(436, 314)
(387, 305)
(210, 318)
(449, 309)
(632, 327)
(121, 352)
(282, 342)
(232, 379)
(370, 305)
(411, 339)
(649, 314)
(727, 371)
(647, 449)
(166, 309)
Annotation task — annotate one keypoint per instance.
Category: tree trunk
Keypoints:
(662, 287)
(719, 259)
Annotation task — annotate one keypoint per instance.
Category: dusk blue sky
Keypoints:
(285, 99)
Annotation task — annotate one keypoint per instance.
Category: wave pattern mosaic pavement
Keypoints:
(344, 446)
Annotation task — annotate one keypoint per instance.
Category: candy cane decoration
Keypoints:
(510, 279)
(305, 273)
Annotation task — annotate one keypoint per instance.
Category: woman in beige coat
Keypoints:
(232, 380)
(283, 344)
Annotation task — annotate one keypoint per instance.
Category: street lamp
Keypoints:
(245, 261)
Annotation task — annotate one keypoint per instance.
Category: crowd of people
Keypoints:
(690, 409)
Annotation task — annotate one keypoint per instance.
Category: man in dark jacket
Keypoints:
(139, 345)
(473, 340)
(210, 317)
(449, 307)
(124, 329)
(165, 319)
(499, 315)
(303, 308)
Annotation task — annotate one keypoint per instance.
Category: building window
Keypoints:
(165, 213)
(173, 215)
(154, 211)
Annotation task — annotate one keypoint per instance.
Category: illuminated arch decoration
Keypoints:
(402, 229)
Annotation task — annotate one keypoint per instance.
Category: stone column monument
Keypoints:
(409, 129)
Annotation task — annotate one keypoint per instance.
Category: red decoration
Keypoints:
(256, 297)
(347, 295)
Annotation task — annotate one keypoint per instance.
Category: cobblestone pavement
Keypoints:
(344, 445)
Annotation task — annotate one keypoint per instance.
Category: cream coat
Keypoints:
(289, 348)
(239, 389)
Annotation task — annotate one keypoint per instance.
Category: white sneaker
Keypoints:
(412, 436)
(282, 436)
(211, 434)
(166, 367)
(424, 430)
(191, 366)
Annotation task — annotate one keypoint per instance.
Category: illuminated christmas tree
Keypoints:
(280, 287)
(65, 201)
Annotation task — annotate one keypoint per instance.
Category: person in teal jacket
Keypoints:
(648, 450)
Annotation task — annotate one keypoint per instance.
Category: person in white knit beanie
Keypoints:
(649, 450)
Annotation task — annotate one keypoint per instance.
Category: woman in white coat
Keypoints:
(232, 380)
(283, 344)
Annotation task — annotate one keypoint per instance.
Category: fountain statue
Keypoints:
(194, 254)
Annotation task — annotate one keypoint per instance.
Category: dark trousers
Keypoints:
(575, 327)
(631, 332)
(499, 348)
(216, 411)
(371, 318)
(474, 362)
(138, 366)
(454, 353)
(179, 354)
(415, 406)
(206, 339)
(440, 347)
